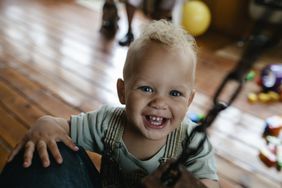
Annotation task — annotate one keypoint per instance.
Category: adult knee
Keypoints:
(74, 172)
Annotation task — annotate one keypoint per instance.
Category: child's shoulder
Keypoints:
(101, 115)
(108, 110)
(109, 114)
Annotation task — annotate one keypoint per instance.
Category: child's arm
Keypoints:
(44, 134)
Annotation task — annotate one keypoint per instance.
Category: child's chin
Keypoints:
(154, 136)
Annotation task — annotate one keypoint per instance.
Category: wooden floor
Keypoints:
(53, 60)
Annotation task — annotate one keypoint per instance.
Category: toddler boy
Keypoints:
(157, 89)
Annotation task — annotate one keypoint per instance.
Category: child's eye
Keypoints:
(175, 93)
(146, 89)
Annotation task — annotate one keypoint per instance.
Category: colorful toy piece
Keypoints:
(267, 157)
(271, 78)
(271, 153)
(274, 96)
(270, 81)
(196, 118)
(252, 97)
(251, 75)
(264, 97)
(272, 140)
(279, 157)
(273, 126)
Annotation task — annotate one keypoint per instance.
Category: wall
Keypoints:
(230, 16)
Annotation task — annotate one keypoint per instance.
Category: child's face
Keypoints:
(157, 92)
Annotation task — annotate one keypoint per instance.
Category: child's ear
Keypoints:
(191, 97)
(121, 91)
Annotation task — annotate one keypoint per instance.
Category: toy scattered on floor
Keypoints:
(279, 156)
(271, 154)
(273, 126)
(196, 17)
(267, 156)
(196, 118)
(270, 81)
(252, 97)
(271, 78)
(251, 75)
(264, 97)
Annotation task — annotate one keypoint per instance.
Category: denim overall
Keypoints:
(111, 172)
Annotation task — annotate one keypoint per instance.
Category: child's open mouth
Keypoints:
(155, 121)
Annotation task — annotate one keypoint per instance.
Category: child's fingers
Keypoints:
(43, 153)
(15, 151)
(53, 147)
(154, 179)
(68, 142)
(158, 173)
(28, 154)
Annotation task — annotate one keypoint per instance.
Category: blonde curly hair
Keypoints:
(167, 33)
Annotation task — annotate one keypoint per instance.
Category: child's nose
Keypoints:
(158, 103)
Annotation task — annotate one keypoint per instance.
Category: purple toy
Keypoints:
(271, 78)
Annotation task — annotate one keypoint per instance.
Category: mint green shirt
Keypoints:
(88, 130)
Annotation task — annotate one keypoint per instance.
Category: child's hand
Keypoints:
(46, 131)
(186, 179)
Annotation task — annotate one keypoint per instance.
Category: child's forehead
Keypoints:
(159, 53)
(146, 46)
(154, 49)
(160, 63)
(145, 56)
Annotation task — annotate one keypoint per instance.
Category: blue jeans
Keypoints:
(77, 171)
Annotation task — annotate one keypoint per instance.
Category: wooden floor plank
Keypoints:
(71, 48)
(46, 100)
(78, 42)
(26, 110)
(69, 94)
(242, 155)
(218, 67)
(243, 177)
(12, 130)
(57, 72)
(245, 143)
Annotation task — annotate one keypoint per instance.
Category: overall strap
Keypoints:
(115, 129)
(173, 145)
(110, 170)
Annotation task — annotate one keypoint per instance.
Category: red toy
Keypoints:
(271, 153)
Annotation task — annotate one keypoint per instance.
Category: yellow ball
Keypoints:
(263, 97)
(252, 97)
(196, 17)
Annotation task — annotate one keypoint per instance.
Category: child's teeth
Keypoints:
(154, 118)
(156, 123)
